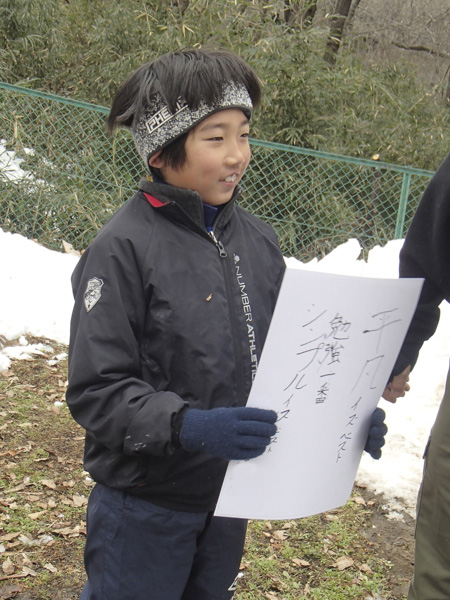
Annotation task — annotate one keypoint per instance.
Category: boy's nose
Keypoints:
(236, 155)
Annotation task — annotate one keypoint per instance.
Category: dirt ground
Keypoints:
(394, 541)
(42, 517)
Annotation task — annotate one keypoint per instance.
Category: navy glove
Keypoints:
(235, 433)
(377, 431)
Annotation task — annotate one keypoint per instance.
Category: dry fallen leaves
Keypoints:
(343, 562)
(49, 483)
(70, 531)
(36, 515)
(359, 500)
(79, 500)
(8, 567)
(9, 591)
(365, 568)
(279, 535)
(301, 563)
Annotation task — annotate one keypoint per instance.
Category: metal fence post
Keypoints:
(406, 184)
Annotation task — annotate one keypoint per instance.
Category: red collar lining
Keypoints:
(154, 201)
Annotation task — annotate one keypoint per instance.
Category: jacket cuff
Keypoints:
(177, 421)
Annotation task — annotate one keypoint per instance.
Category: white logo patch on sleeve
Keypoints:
(93, 293)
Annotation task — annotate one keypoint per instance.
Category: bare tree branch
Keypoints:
(421, 49)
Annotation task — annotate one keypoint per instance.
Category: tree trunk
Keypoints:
(337, 22)
(300, 13)
(447, 88)
(351, 17)
(309, 13)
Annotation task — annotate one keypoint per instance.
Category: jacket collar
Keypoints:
(186, 206)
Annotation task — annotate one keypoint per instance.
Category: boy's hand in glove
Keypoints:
(235, 433)
(377, 431)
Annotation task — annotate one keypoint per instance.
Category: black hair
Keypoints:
(174, 155)
(196, 76)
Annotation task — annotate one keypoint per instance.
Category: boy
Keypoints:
(173, 301)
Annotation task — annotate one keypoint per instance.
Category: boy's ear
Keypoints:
(156, 160)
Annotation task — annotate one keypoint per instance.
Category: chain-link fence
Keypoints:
(62, 177)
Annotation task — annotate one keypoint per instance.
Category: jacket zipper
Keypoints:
(236, 336)
(219, 245)
(240, 371)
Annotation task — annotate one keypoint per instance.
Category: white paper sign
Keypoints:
(328, 355)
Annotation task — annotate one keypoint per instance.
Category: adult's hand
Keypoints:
(398, 387)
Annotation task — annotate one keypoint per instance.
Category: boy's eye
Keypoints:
(215, 139)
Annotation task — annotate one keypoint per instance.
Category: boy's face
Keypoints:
(217, 154)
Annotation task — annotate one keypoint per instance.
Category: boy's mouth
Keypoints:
(231, 178)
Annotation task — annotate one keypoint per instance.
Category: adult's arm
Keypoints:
(426, 253)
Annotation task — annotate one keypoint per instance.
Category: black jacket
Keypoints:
(426, 253)
(166, 318)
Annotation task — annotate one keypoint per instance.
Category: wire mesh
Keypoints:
(62, 177)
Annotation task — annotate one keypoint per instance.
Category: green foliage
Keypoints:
(28, 38)
(85, 49)
(382, 110)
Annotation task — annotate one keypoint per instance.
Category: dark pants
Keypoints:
(138, 551)
(431, 579)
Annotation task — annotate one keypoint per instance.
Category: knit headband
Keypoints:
(158, 125)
